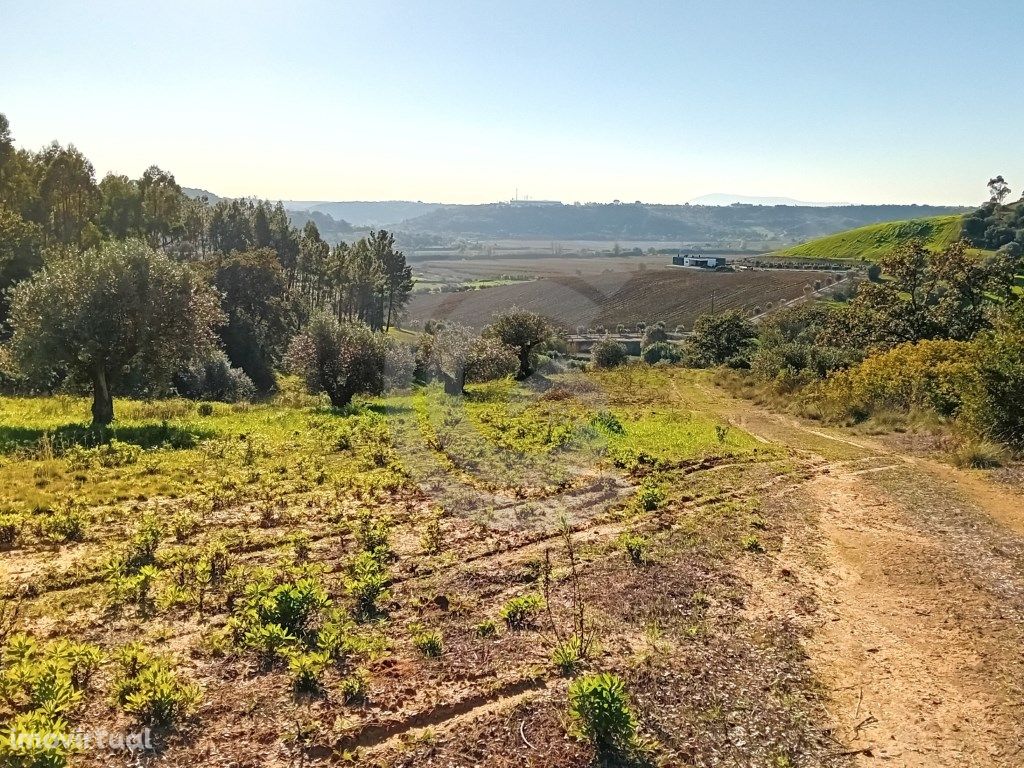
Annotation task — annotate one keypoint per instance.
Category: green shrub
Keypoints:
(661, 351)
(649, 496)
(600, 711)
(10, 528)
(150, 689)
(372, 534)
(353, 687)
(306, 670)
(608, 422)
(67, 524)
(608, 354)
(635, 546)
(367, 583)
(272, 642)
(519, 611)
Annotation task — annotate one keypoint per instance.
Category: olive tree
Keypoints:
(339, 359)
(608, 353)
(101, 315)
(522, 331)
(459, 356)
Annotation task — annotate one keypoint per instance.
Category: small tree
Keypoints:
(522, 331)
(459, 356)
(608, 354)
(655, 334)
(659, 351)
(719, 338)
(340, 359)
(120, 308)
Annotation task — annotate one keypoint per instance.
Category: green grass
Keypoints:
(877, 240)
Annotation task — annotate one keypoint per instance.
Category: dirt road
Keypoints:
(916, 570)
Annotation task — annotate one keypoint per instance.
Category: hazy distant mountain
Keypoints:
(366, 213)
(669, 223)
(720, 198)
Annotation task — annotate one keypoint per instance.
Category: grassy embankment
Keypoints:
(872, 242)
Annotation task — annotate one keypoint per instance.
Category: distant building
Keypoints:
(534, 203)
(703, 262)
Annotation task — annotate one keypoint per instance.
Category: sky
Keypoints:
(865, 102)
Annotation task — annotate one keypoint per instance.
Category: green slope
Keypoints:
(874, 241)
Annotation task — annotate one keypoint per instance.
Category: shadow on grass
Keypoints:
(60, 439)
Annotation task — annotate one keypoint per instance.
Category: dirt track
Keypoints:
(916, 570)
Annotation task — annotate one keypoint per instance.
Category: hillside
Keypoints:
(642, 221)
(874, 241)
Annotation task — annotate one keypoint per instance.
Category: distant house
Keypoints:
(703, 262)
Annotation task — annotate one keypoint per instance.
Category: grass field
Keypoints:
(675, 295)
(873, 242)
(283, 583)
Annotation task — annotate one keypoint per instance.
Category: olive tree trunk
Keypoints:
(102, 402)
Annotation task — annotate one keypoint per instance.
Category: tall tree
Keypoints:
(998, 189)
(120, 308)
(396, 276)
(120, 206)
(70, 197)
(255, 301)
(162, 203)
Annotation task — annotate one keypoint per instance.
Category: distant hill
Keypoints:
(873, 242)
(366, 213)
(671, 223)
(195, 194)
(719, 198)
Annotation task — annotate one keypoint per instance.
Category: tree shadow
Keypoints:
(60, 439)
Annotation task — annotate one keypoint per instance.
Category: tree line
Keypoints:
(96, 263)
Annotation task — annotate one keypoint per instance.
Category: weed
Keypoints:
(519, 611)
(980, 455)
(635, 546)
(429, 643)
(566, 656)
(485, 629)
(751, 543)
(67, 524)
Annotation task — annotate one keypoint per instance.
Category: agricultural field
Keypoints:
(675, 295)
(427, 580)
(271, 583)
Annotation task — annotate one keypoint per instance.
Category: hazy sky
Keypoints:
(896, 101)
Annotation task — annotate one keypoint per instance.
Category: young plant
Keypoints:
(367, 583)
(306, 670)
(635, 546)
(429, 643)
(519, 611)
(566, 657)
(150, 689)
(600, 712)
